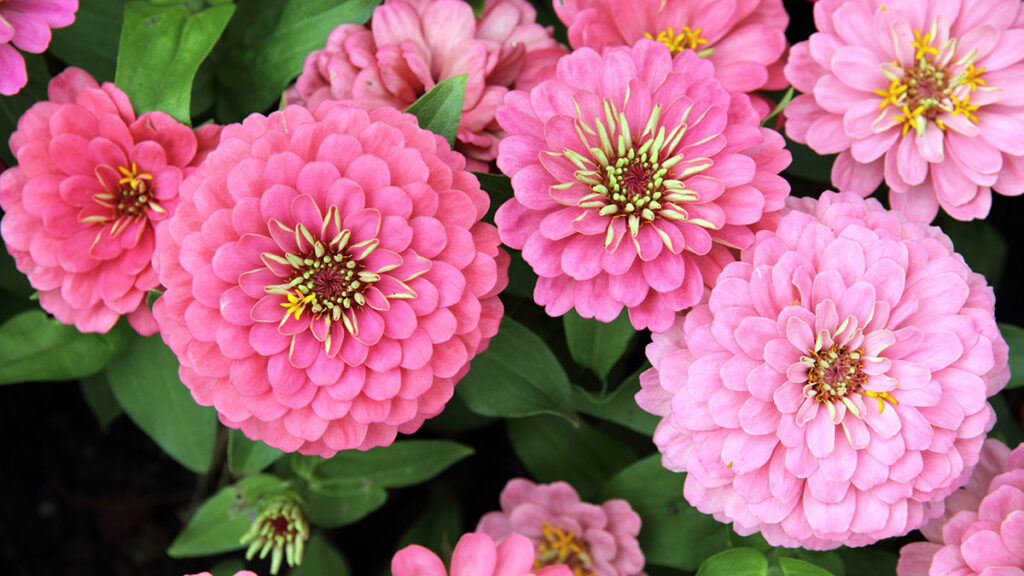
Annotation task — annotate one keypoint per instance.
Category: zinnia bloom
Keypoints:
(832, 388)
(591, 539)
(27, 24)
(474, 555)
(927, 94)
(634, 174)
(411, 45)
(91, 185)
(982, 531)
(328, 278)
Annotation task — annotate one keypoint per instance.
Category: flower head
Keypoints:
(280, 529)
(634, 174)
(27, 24)
(411, 45)
(923, 94)
(328, 277)
(832, 388)
(475, 555)
(92, 184)
(591, 539)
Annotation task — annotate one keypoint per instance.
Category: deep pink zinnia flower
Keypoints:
(982, 532)
(634, 173)
(328, 277)
(593, 540)
(27, 24)
(411, 45)
(832, 388)
(926, 94)
(91, 185)
(474, 555)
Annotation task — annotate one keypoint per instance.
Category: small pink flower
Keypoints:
(634, 174)
(91, 185)
(474, 555)
(328, 278)
(832, 387)
(982, 533)
(925, 94)
(27, 24)
(411, 45)
(590, 539)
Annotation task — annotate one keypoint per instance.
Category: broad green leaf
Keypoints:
(12, 107)
(797, 567)
(553, 449)
(160, 51)
(657, 496)
(735, 562)
(618, 406)
(320, 558)
(100, 399)
(516, 376)
(438, 528)
(478, 7)
(34, 347)
(144, 378)
(597, 345)
(440, 109)
(228, 567)
(868, 560)
(247, 457)
(219, 524)
(91, 41)
(828, 560)
(403, 463)
(339, 501)
(267, 42)
(981, 245)
(1014, 336)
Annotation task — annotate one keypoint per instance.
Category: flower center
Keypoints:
(128, 200)
(560, 547)
(689, 38)
(281, 529)
(834, 372)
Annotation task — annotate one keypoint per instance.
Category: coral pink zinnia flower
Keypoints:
(91, 184)
(474, 555)
(982, 533)
(411, 45)
(328, 278)
(634, 173)
(832, 388)
(924, 93)
(27, 24)
(591, 539)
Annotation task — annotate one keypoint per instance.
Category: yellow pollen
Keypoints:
(688, 38)
(881, 397)
(972, 76)
(132, 177)
(923, 45)
(909, 118)
(966, 108)
(893, 94)
(558, 546)
(296, 303)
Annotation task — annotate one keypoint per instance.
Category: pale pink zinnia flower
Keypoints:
(634, 174)
(27, 24)
(982, 532)
(593, 540)
(925, 94)
(92, 183)
(832, 388)
(474, 555)
(411, 45)
(328, 278)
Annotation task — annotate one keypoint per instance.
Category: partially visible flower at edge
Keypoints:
(27, 24)
(474, 555)
(280, 529)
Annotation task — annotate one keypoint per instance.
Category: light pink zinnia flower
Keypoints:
(925, 93)
(411, 45)
(982, 533)
(91, 185)
(474, 555)
(27, 24)
(590, 539)
(831, 389)
(634, 173)
(328, 277)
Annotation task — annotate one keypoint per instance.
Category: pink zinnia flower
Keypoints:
(27, 24)
(982, 532)
(590, 539)
(328, 277)
(927, 94)
(831, 389)
(474, 555)
(91, 185)
(634, 174)
(411, 45)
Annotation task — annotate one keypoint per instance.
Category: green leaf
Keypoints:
(827, 560)
(797, 567)
(783, 102)
(34, 347)
(516, 376)
(320, 558)
(161, 50)
(456, 417)
(553, 449)
(144, 378)
(441, 109)
(11, 279)
(597, 345)
(657, 496)
(340, 501)
(228, 567)
(100, 399)
(246, 457)
(219, 524)
(521, 278)
(735, 562)
(981, 245)
(403, 463)
(1014, 336)
(478, 7)
(498, 187)
(618, 406)
(868, 560)
(267, 42)
(438, 528)
(12, 107)
(91, 42)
